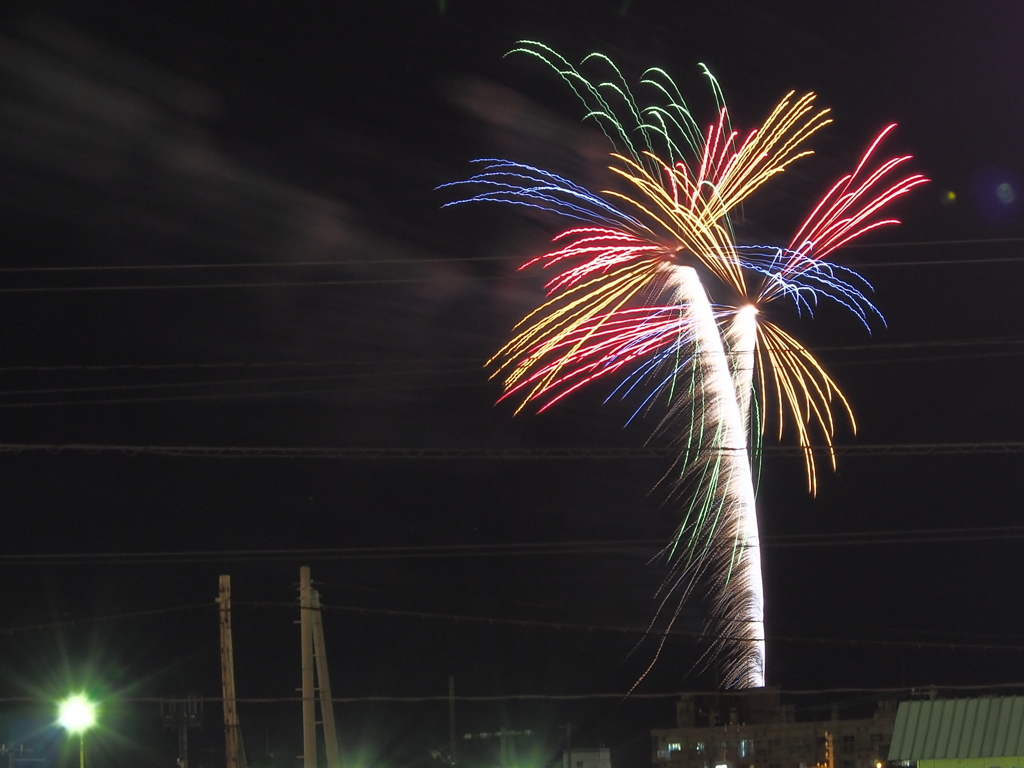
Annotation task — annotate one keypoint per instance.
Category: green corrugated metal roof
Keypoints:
(956, 729)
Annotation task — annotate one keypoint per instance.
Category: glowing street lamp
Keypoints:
(76, 714)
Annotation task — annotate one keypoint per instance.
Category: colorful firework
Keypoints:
(629, 297)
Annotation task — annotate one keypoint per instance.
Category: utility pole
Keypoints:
(234, 749)
(324, 679)
(308, 700)
(568, 745)
(315, 672)
(9, 751)
(451, 720)
(182, 714)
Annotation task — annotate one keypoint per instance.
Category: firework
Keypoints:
(629, 297)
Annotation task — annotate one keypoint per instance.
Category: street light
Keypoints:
(76, 714)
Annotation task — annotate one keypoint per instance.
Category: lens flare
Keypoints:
(76, 714)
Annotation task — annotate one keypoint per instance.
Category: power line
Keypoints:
(242, 395)
(605, 695)
(697, 635)
(647, 547)
(340, 390)
(928, 359)
(480, 259)
(923, 243)
(399, 281)
(558, 625)
(223, 382)
(239, 364)
(111, 617)
(939, 262)
(478, 361)
(349, 553)
(502, 454)
(928, 344)
(227, 286)
(348, 376)
(351, 283)
(254, 265)
(622, 696)
(872, 538)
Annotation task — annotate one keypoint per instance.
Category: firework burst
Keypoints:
(629, 298)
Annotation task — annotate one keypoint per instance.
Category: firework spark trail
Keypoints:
(729, 513)
(605, 314)
(741, 339)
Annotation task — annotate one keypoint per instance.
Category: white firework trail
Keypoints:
(727, 487)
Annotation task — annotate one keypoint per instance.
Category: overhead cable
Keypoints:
(506, 454)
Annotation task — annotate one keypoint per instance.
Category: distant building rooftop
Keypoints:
(959, 729)
(751, 728)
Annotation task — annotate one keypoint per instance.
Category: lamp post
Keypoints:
(76, 714)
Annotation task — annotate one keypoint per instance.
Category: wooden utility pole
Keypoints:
(324, 680)
(234, 749)
(451, 720)
(308, 693)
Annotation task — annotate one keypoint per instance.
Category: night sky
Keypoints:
(293, 152)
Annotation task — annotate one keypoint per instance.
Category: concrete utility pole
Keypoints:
(324, 679)
(451, 720)
(234, 749)
(315, 672)
(308, 699)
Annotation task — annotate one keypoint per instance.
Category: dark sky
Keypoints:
(147, 137)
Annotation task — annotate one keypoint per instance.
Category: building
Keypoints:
(752, 729)
(588, 758)
(960, 733)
